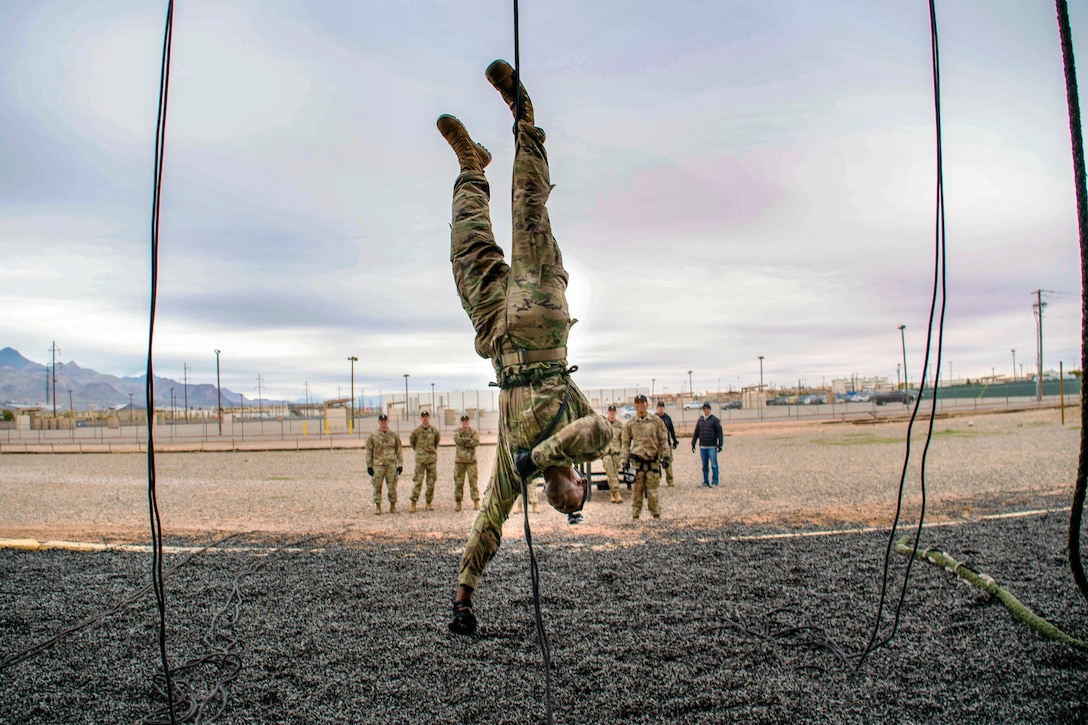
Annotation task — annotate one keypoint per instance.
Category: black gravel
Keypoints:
(666, 629)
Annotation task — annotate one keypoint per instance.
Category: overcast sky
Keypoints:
(733, 179)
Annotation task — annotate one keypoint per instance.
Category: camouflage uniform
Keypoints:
(646, 445)
(464, 464)
(519, 312)
(424, 441)
(611, 460)
(384, 455)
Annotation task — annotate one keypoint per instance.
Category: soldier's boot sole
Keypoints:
(377, 509)
(500, 74)
(470, 155)
(392, 507)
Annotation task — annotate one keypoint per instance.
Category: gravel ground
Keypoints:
(647, 623)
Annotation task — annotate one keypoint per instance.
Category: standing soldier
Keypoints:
(464, 464)
(673, 442)
(611, 456)
(645, 444)
(384, 462)
(424, 441)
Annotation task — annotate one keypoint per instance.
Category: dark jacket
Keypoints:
(708, 432)
(669, 427)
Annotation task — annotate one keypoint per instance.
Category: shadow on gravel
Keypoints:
(640, 632)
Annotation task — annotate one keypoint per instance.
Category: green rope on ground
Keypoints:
(986, 583)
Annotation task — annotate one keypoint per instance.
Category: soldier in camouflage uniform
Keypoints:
(646, 445)
(424, 441)
(611, 458)
(384, 461)
(464, 464)
(519, 312)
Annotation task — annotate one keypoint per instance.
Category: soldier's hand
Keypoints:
(665, 462)
(400, 470)
(692, 447)
(369, 471)
(675, 444)
(719, 449)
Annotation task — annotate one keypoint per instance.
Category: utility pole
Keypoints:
(54, 349)
(352, 359)
(218, 393)
(185, 380)
(1038, 308)
(759, 395)
(906, 379)
(260, 410)
(1014, 365)
(406, 396)
(691, 389)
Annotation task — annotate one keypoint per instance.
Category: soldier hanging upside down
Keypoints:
(519, 312)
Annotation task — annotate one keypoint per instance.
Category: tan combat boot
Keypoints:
(412, 508)
(457, 507)
(475, 504)
(471, 155)
(429, 507)
(501, 75)
(392, 507)
(377, 509)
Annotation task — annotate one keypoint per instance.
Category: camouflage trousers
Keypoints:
(519, 306)
(385, 474)
(461, 471)
(611, 463)
(425, 470)
(646, 484)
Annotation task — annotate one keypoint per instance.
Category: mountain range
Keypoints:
(27, 383)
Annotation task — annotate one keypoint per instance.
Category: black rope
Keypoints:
(815, 637)
(938, 284)
(542, 637)
(223, 652)
(17, 657)
(534, 576)
(517, 72)
(156, 522)
(1076, 514)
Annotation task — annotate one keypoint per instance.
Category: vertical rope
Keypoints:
(156, 523)
(517, 72)
(1077, 510)
(938, 285)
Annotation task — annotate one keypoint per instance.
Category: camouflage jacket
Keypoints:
(383, 449)
(466, 442)
(616, 447)
(646, 439)
(424, 441)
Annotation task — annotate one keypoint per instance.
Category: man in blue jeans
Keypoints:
(708, 436)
